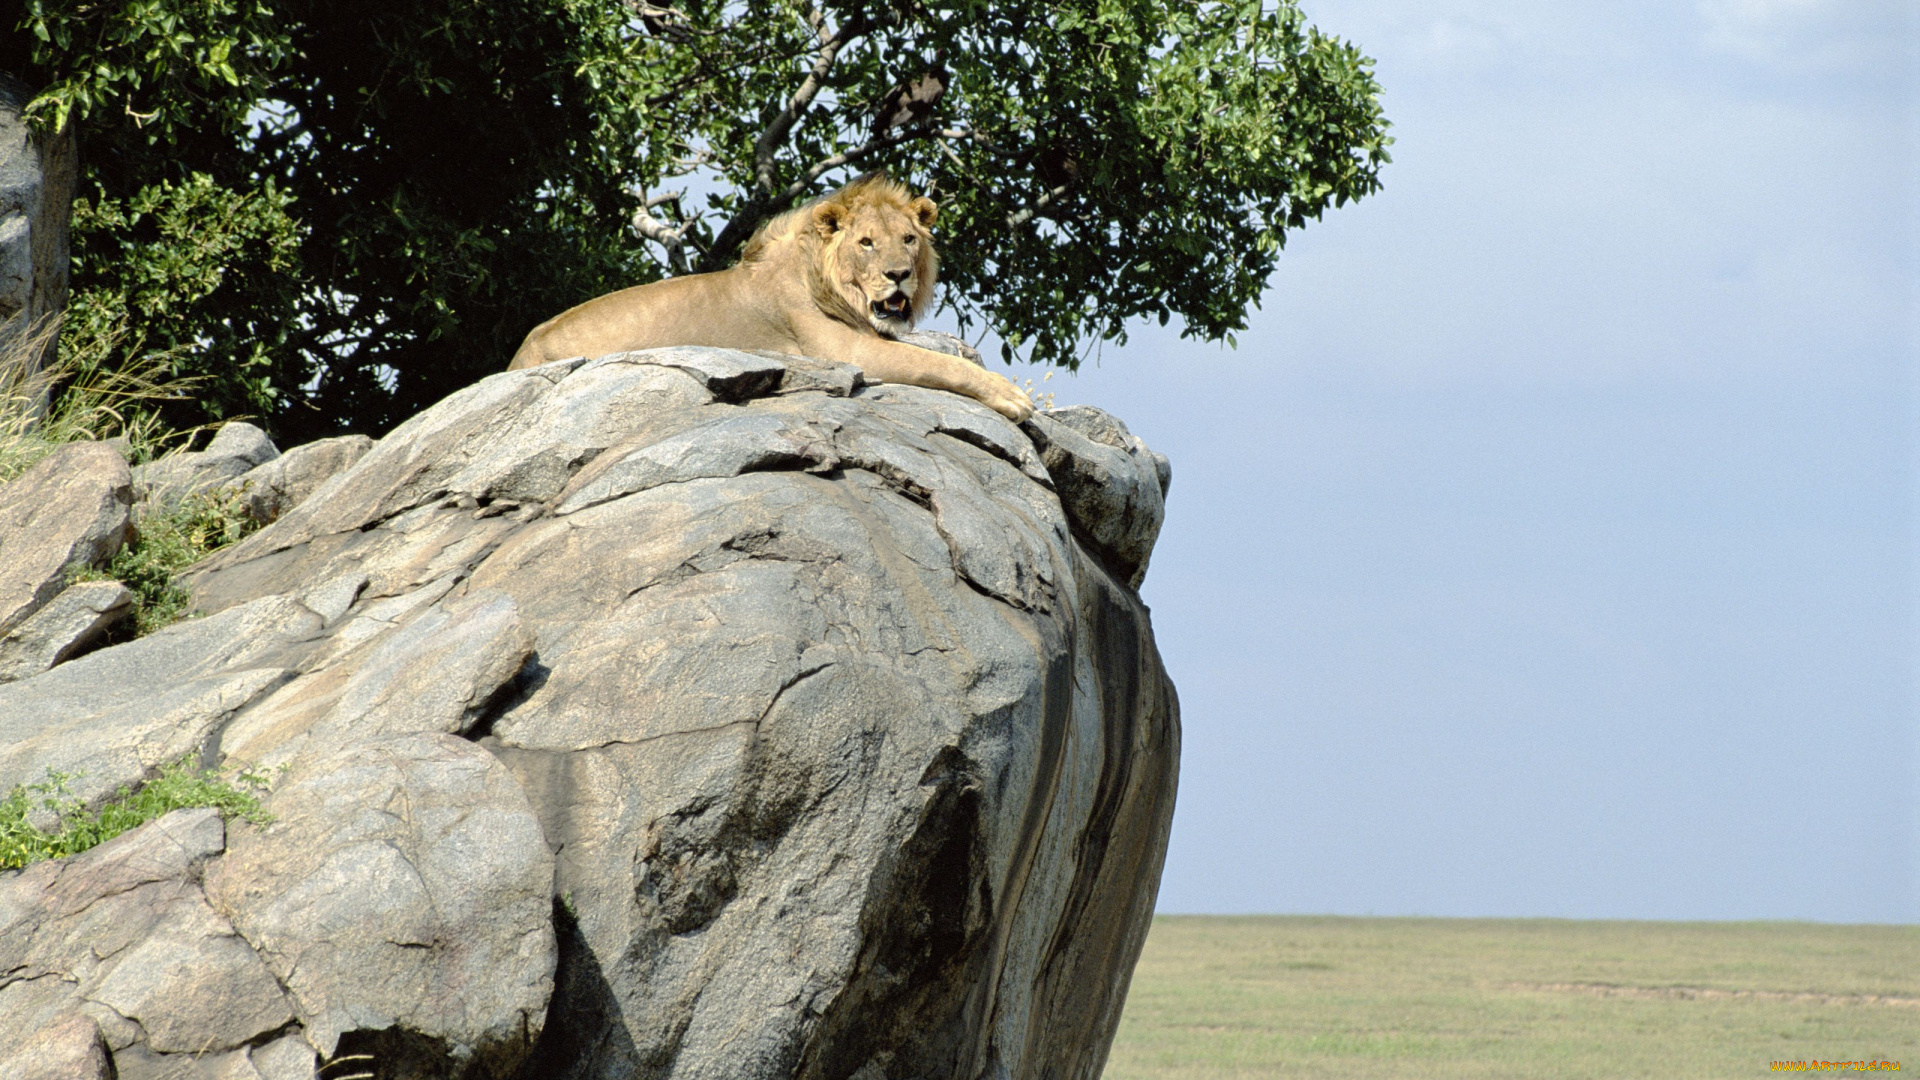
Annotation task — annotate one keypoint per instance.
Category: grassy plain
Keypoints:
(1241, 998)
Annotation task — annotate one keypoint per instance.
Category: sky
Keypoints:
(1548, 545)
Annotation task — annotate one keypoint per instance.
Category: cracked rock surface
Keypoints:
(123, 937)
(680, 714)
(71, 621)
(69, 510)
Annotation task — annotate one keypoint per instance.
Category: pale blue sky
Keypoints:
(1548, 545)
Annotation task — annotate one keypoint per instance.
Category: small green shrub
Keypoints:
(167, 542)
(178, 787)
(192, 278)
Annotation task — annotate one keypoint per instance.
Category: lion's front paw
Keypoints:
(1007, 399)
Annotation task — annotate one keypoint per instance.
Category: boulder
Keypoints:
(285, 1058)
(679, 714)
(73, 620)
(70, 510)
(237, 449)
(404, 883)
(285, 481)
(123, 935)
(1113, 486)
(114, 716)
(69, 1047)
(37, 176)
(943, 343)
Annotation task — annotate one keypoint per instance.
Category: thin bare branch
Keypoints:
(652, 228)
(672, 237)
(1046, 199)
(947, 149)
(975, 137)
(667, 22)
(722, 62)
(776, 133)
(691, 163)
(849, 157)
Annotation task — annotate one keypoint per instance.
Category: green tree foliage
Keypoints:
(192, 275)
(437, 177)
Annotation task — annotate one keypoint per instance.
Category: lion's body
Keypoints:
(834, 279)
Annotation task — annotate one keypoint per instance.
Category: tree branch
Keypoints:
(671, 237)
(1046, 199)
(848, 157)
(776, 133)
(756, 207)
(754, 211)
(668, 22)
(684, 166)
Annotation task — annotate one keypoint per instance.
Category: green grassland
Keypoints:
(1527, 999)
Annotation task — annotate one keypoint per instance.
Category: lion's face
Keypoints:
(880, 257)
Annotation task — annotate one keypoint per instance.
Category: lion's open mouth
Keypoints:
(893, 307)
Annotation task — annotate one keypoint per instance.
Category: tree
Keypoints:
(437, 177)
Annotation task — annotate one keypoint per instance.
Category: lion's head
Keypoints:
(871, 255)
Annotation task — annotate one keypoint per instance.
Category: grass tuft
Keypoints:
(178, 787)
(78, 398)
(167, 542)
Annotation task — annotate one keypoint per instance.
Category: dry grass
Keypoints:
(77, 398)
(1260, 997)
(1042, 399)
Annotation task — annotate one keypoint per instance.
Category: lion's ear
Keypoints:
(829, 218)
(926, 211)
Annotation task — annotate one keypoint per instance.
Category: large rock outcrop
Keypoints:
(37, 174)
(237, 449)
(72, 620)
(678, 714)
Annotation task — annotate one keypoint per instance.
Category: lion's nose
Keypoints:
(898, 276)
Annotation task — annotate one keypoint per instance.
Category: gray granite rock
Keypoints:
(1105, 428)
(286, 481)
(37, 174)
(1111, 484)
(70, 509)
(237, 449)
(944, 343)
(438, 672)
(70, 622)
(193, 985)
(288, 1058)
(727, 374)
(114, 716)
(69, 1047)
(854, 751)
(123, 935)
(403, 884)
(677, 714)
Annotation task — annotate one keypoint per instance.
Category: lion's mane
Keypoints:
(791, 235)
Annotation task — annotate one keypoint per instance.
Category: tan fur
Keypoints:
(837, 279)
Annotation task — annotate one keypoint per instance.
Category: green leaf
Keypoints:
(408, 189)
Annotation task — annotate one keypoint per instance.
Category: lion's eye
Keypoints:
(912, 239)
(866, 241)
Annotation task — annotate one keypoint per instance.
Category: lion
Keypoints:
(840, 278)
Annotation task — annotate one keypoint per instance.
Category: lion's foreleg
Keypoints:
(897, 362)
